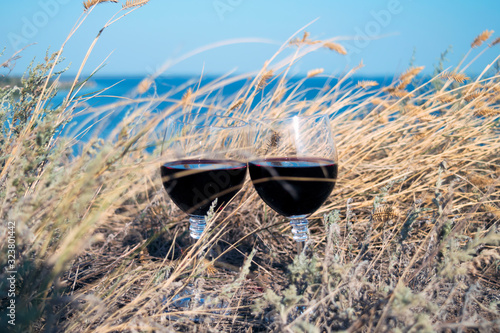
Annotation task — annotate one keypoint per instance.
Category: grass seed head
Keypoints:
(89, 3)
(366, 83)
(237, 104)
(264, 80)
(315, 72)
(304, 40)
(474, 95)
(495, 42)
(406, 78)
(384, 213)
(457, 77)
(487, 112)
(426, 117)
(446, 98)
(144, 85)
(335, 47)
(483, 36)
(187, 96)
(399, 93)
(134, 3)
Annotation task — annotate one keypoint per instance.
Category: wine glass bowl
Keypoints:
(203, 163)
(295, 167)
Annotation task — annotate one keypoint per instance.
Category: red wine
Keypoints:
(293, 186)
(194, 184)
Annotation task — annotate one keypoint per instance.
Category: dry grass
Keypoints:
(495, 42)
(479, 40)
(457, 77)
(367, 83)
(335, 47)
(331, 45)
(406, 78)
(314, 72)
(408, 240)
(90, 3)
(264, 80)
(134, 3)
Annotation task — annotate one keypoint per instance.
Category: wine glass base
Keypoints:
(197, 224)
(191, 298)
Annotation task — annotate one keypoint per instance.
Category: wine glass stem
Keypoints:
(300, 230)
(197, 224)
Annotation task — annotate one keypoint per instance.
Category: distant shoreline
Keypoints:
(64, 84)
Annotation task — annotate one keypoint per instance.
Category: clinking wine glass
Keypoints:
(203, 160)
(295, 167)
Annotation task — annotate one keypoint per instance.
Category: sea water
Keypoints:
(100, 115)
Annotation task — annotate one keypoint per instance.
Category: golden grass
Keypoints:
(90, 3)
(487, 112)
(314, 72)
(367, 83)
(332, 46)
(304, 40)
(406, 78)
(457, 77)
(474, 95)
(187, 97)
(495, 42)
(264, 80)
(397, 92)
(335, 47)
(481, 38)
(237, 104)
(134, 3)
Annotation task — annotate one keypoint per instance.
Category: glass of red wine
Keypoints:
(295, 167)
(203, 159)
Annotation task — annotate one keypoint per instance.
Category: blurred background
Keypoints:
(385, 35)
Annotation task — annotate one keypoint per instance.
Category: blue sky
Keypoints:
(164, 30)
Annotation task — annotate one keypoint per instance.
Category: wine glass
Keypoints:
(203, 160)
(295, 167)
